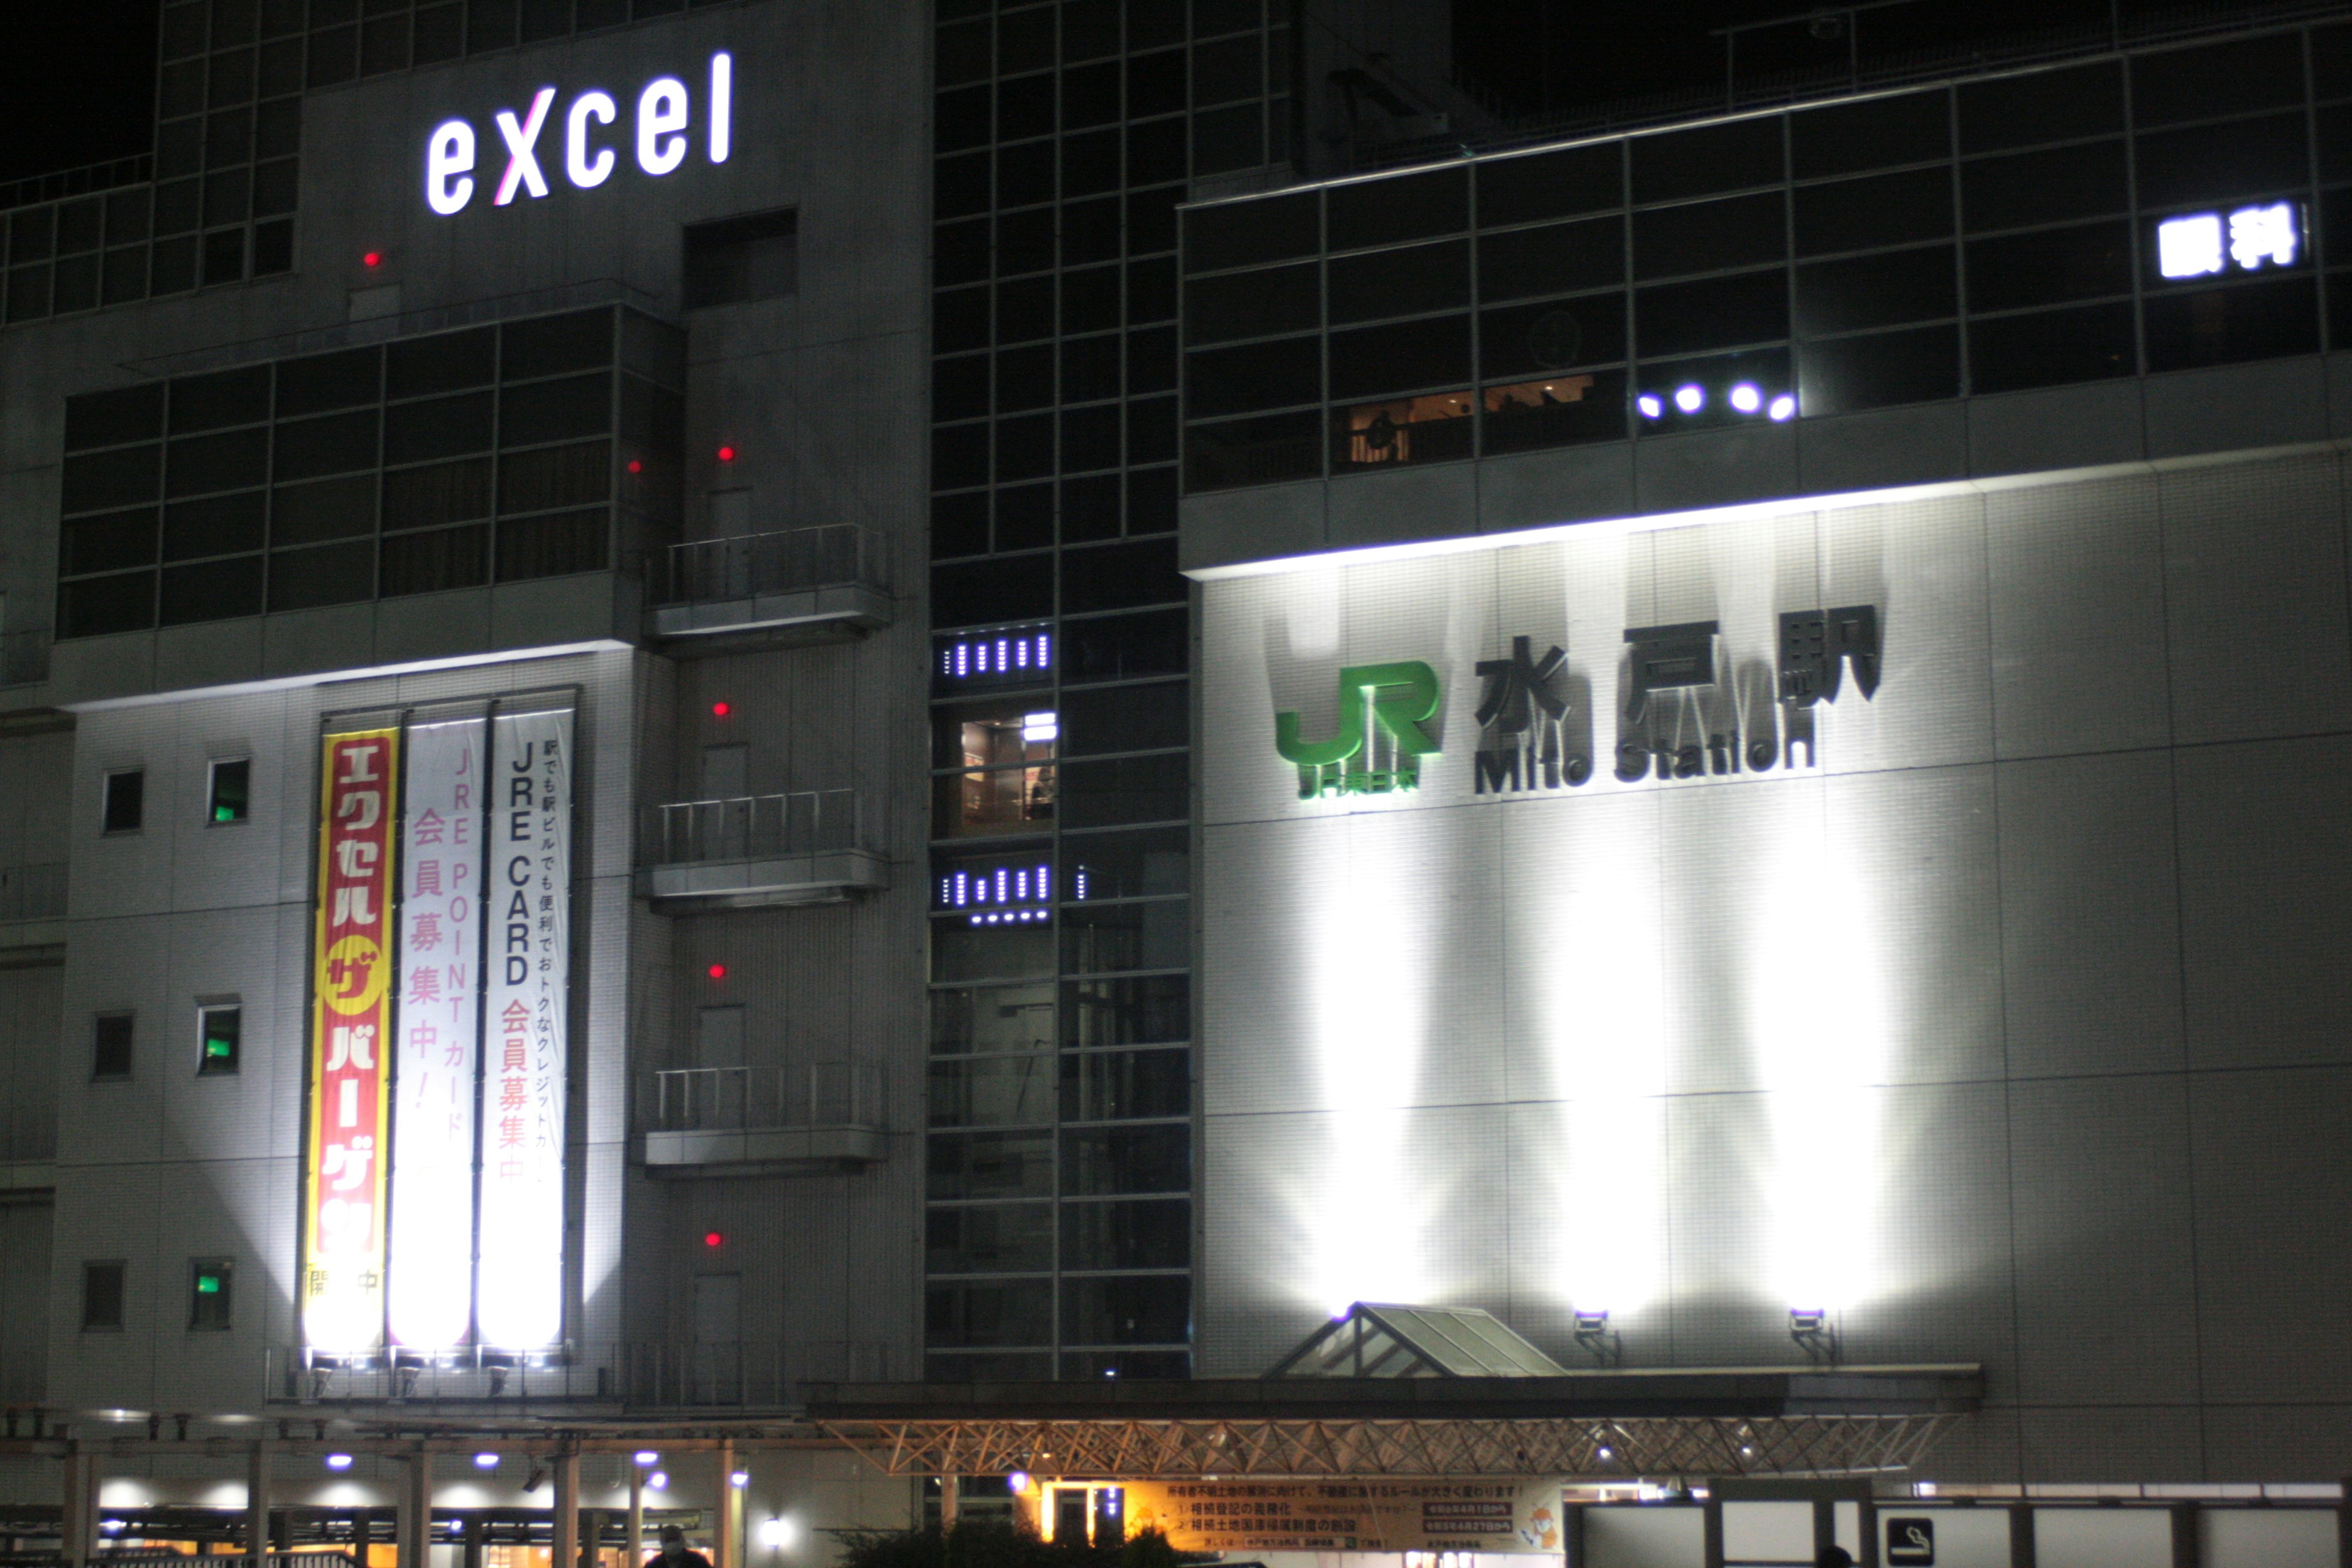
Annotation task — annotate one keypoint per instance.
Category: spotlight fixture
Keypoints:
(339, 1461)
(1594, 1334)
(779, 1534)
(1746, 398)
(1650, 407)
(537, 1478)
(486, 1461)
(1690, 397)
(1814, 1331)
(1783, 408)
(648, 1456)
(657, 1481)
(1018, 1481)
(740, 1478)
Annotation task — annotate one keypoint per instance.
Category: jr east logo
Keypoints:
(580, 148)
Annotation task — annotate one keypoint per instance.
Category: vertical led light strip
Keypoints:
(439, 993)
(527, 917)
(343, 1205)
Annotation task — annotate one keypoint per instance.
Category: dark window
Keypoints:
(1128, 790)
(109, 418)
(2219, 79)
(209, 1281)
(1400, 282)
(990, 1313)
(1001, 1238)
(218, 525)
(2051, 347)
(1710, 236)
(96, 606)
(102, 1296)
(328, 382)
(225, 397)
(2050, 266)
(1120, 576)
(211, 591)
(328, 509)
(2086, 180)
(1399, 206)
(1260, 451)
(991, 1166)
(1882, 290)
(1250, 304)
(1122, 648)
(1024, 309)
(220, 1035)
(1677, 163)
(1550, 184)
(979, 592)
(441, 427)
(2219, 162)
(555, 477)
(1122, 1310)
(1557, 411)
(439, 493)
(1126, 1010)
(310, 447)
(444, 362)
(1711, 313)
(1126, 718)
(2044, 106)
(1126, 1086)
(1153, 1233)
(1260, 375)
(1371, 360)
(1555, 259)
(431, 561)
(1025, 175)
(334, 574)
(1025, 379)
(125, 799)
(2221, 326)
(1885, 209)
(551, 345)
(121, 478)
(1090, 368)
(109, 542)
(1099, 866)
(230, 793)
(555, 410)
(1106, 1160)
(1875, 133)
(225, 462)
(1853, 373)
(552, 544)
(110, 1048)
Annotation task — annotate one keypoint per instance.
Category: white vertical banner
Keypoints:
(439, 990)
(527, 917)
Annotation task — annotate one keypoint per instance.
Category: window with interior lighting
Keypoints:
(210, 1282)
(102, 1295)
(1004, 781)
(1427, 429)
(228, 796)
(220, 1036)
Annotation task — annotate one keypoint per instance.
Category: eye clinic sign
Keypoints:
(658, 137)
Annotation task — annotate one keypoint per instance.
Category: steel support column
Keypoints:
(567, 1510)
(257, 1504)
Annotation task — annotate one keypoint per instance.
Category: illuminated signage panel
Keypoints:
(527, 916)
(439, 1028)
(343, 1205)
(658, 138)
(1404, 1515)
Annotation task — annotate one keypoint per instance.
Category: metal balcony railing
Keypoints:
(33, 892)
(25, 658)
(790, 562)
(657, 1375)
(754, 827)
(740, 1100)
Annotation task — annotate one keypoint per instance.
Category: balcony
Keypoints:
(633, 1374)
(810, 846)
(803, 584)
(743, 1121)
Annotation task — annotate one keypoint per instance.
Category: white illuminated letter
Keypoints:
(661, 125)
(522, 163)
(584, 171)
(2189, 246)
(722, 105)
(448, 153)
(2262, 234)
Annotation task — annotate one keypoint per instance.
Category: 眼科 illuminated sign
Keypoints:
(658, 139)
(2250, 239)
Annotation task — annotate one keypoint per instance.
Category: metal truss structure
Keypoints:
(1618, 1448)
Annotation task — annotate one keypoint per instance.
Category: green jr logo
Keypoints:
(1381, 709)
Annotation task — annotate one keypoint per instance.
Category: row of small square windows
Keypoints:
(220, 1041)
(229, 796)
(211, 1293)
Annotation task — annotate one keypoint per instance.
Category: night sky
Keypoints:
(78, 76)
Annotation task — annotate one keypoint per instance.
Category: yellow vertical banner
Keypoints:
(343, 1229)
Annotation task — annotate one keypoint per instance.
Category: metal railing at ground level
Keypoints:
(748, 1099)
(753, 828)
(790, 561)
(766, 1372)
(33, 892)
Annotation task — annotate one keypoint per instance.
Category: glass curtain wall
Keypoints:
(1060, 1164)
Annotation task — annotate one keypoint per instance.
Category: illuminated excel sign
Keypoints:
(2251, 239)
(658, 139)
(1007, 895)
